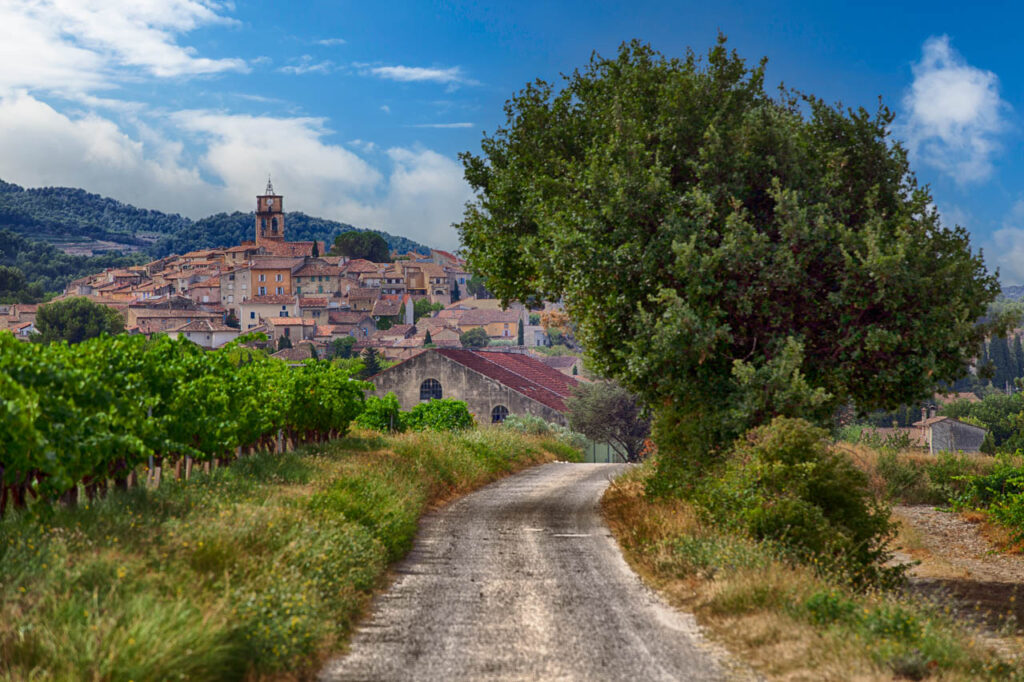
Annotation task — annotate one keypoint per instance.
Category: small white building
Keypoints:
(206, 333)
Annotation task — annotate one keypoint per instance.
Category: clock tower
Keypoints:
(269, 216)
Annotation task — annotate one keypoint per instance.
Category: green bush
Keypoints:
(382, 414)
(536, 426)
(440, 415)
(783, 483)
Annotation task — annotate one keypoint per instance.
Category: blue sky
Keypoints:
(359, 109)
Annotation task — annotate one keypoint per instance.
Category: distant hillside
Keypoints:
(1013, 293)
(62, 215)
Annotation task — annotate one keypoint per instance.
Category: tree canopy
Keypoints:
(474, 338)
(725, 254)
(369, 245)
(74, 320)
(605, 412)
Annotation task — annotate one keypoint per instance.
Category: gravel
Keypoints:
(522, 581)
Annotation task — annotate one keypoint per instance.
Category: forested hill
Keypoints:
(66, 214)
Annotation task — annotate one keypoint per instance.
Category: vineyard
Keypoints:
(90, 415)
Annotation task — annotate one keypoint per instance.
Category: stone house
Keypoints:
(945, 434)
(493, 384)
(206, 333)
(295, 328)
(499, 324)
(259, 308)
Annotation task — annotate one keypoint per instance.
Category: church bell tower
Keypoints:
(269, 216)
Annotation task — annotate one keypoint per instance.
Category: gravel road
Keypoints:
(522, 580)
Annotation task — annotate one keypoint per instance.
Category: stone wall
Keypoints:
(950, 435)
(481, 393)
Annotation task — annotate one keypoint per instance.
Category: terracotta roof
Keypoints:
(479, 318)
(300, 351)
(273, 263)
(289, 321)
(270, 299)
(360, 265)
(346, 317)
(317, 269)
(143, 313)
(313, 302)
(387, 308)
(365, 292)
(560, 361)
(521, 373)
(203, 326)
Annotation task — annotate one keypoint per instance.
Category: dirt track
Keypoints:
(522, 581)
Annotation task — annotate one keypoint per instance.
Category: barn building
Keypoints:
(493, 384)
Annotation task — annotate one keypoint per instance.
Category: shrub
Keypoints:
(440, 415)
(382, 414)
(783, 483)
(535, 426)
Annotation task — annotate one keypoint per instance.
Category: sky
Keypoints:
(358, 110)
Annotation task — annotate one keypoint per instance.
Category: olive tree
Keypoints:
(726, 254)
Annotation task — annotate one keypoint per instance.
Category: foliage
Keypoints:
(427, 341)
(535, 319)
(446, 414)
(787, 619)
(74, 320)
(520, 339)
(691, 221)
(476, 286)
(30, 270)
(371, 362)
(529, 424)
(341, 347)
(87, 413)
(785, 484)
(423, 308)
(254, 571)
(456, 294)
(382, 414)
(474, 338)
(368, 245)
(605, 412)
(284, 342)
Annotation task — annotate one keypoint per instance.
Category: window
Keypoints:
(298, 280)
(430, 390)
(263, 278)
(252, 315)
(263, 291)
(280, 290)
(279, 277)
(298, 290)
(498, 414)
(273, 226)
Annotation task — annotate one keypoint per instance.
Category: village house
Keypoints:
(945, 434)
(259, 308)
(294, 328)
(493, 384)
(273, 276)
(207, 333)
(352, 323)
(499, 324)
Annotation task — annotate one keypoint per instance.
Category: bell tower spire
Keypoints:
(269, 216)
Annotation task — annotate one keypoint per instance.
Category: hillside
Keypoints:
(70, 217)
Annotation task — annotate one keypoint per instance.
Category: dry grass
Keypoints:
(757, 606)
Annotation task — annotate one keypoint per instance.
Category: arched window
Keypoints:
(430, 390)
(273, 225)
(264, 224)
(498, 414)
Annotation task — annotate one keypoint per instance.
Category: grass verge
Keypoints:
(787, 621)
(255, 571)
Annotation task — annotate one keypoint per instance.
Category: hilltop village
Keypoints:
(296, 290)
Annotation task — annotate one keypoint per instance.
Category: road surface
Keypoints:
(522, 580)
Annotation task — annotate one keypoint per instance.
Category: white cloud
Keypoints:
(952, 113)
(1005, 249)
(385, 108)
(81, 45)
(45, 147)
(442, 125)
(306, 65)
(415, 74)
(331, 42)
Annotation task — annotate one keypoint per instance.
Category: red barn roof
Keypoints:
(521, 373)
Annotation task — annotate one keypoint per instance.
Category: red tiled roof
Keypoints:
(313, 302)
(346, 316)
(273, 263)
(521, 373)
(479, 317)
(270, 299)
(360, 265)
(289, 321)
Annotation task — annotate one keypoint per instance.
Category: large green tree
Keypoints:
(726, 254)
(74, 320)
(357, 244)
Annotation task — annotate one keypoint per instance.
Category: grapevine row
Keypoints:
(93, 412)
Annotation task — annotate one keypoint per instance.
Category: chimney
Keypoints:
(924, 412)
